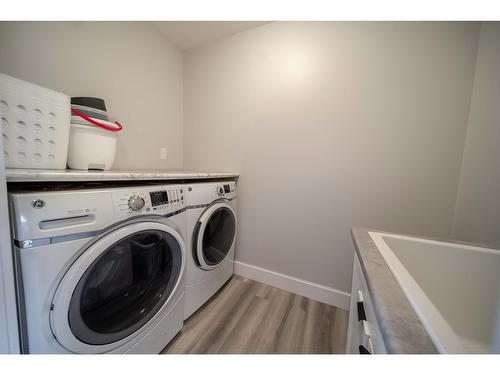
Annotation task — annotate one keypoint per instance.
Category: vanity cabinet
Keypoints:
(363, 333)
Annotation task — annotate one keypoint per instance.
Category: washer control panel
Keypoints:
(136, 202)
(159, 200)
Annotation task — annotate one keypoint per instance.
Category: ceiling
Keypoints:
(190, 34)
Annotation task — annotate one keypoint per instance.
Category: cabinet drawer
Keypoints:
(363, 334)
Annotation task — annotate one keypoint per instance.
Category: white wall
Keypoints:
(332, 125)
(131, 65)
(477, 215)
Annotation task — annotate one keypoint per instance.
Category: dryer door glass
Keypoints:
(125, 287)
(218, 236)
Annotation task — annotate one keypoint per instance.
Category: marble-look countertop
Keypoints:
(401, 328)
(43, 175)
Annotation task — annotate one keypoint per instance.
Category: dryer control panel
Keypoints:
(203, 193)
(158, 200)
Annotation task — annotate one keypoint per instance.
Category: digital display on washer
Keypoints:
(158, 198)
(227, 189)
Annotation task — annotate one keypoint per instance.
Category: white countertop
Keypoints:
(42, 175)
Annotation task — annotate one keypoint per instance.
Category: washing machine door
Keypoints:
(117, 286)
(215, 235)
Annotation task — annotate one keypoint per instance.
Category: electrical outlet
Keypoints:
(163, 153)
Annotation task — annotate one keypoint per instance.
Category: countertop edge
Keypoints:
(30, 175)
(401, 328)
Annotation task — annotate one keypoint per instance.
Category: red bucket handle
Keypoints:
(103, 126)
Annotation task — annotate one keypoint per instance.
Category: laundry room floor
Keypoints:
(249, 317)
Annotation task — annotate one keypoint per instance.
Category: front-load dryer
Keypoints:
(100, 270)
(211, 218)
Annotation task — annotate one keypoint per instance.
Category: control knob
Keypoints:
(220, 190)
(136, 202)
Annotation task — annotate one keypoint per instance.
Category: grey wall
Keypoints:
(477, 216)
(332, 125)
(135, 68)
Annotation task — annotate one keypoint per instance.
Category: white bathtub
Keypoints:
(454, 289)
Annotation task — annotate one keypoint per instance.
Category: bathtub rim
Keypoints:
(401, 328)
(390, 302)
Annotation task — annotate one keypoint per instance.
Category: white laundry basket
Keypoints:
(35, 125)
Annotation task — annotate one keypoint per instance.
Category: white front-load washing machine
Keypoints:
(211, 209)
(100, 270)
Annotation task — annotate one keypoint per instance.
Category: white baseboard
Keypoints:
(301, 287)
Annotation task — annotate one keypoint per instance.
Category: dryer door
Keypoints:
(215, 235)
(117, 286)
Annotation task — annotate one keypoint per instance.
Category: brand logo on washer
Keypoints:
(38, 203)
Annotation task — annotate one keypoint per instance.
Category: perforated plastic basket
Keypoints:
(35, 125)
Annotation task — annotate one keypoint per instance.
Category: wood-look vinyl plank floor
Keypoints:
(249, 317)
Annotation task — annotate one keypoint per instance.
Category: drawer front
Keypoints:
(363, 336)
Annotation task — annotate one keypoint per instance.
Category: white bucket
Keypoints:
(91, 147)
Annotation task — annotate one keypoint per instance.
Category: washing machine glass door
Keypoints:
(215, 236)
(118, 285)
